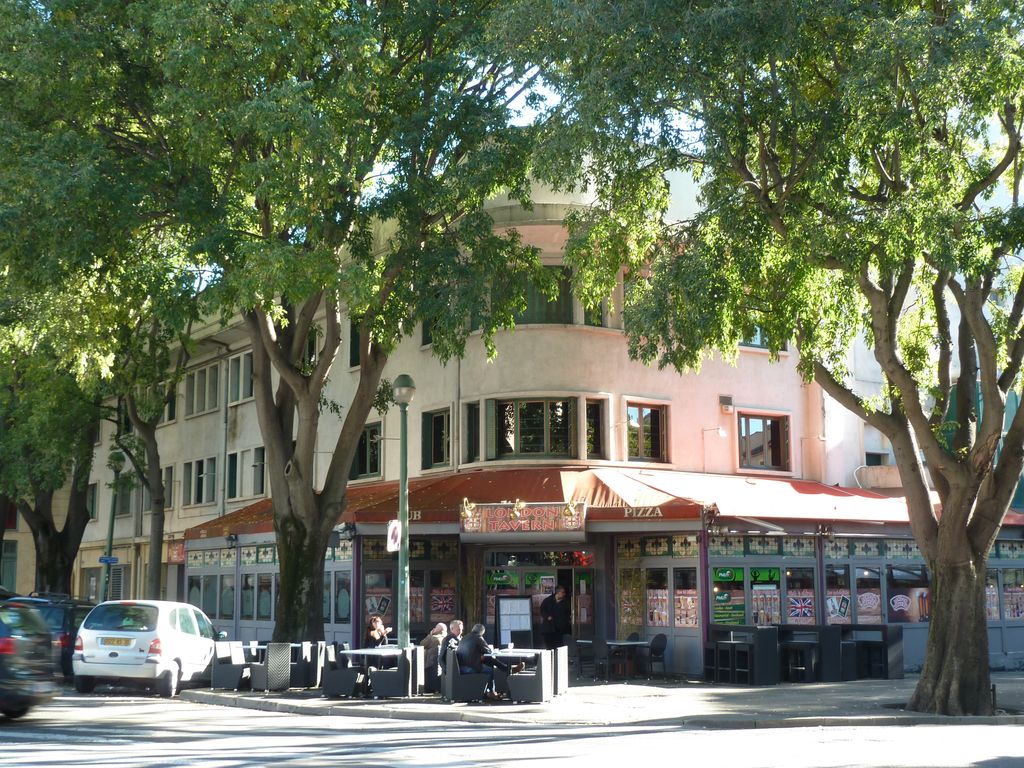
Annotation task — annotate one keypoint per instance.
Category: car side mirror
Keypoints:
(221, 635)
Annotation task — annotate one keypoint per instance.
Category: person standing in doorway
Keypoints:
(555, 617)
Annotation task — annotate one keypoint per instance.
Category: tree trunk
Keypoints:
(955, 679)
(300, 552)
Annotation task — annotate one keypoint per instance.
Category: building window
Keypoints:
(367, 459)
(201, 389)
(875, 459)
(240, 377)
(534, 427)
(199, 482)
(472, 432)
(168, 487)
(259, 471)
(595, 430)
(233, 489)
(541, 309)
(764, 442)
(594, 316)
(436, 439)
(428, 333)
(353, 341)
(90, 500)
(9, 565)
(646, 434)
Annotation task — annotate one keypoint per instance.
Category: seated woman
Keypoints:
(476, 655)
(376, 632)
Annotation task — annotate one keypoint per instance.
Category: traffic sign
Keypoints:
(108, 560)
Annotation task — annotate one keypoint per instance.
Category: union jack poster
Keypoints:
(801, 607)
(442, 603)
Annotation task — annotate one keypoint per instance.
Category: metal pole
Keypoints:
(105, 582)
(403, 522)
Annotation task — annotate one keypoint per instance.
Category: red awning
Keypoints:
(644, 496)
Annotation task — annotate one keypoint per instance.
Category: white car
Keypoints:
(148, 641)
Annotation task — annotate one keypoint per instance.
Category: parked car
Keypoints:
(26, 666)
(152, 642)
(63, 614)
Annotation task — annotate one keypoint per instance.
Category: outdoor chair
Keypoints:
(393, 683)
(533, 685)
(305, 669)
(230, 670)
(339, 677)
(456, 686)
(656, 654)
(602, 659)
(274, 672)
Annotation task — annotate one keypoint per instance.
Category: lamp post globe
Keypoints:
(404, 389)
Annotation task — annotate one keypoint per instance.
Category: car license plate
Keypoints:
(122, 642)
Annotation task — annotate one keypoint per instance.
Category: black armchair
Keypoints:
(339, 677)
(230, 669)
(456, 686)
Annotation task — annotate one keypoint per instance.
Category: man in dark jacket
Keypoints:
(555, 619)
(476, 655)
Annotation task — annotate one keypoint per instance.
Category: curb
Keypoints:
(456, 713)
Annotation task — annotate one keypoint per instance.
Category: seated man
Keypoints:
(475, 655)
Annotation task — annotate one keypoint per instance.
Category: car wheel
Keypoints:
(14, 712)
(84, 683)
(167, 685)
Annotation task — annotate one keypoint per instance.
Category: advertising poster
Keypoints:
(869, 606)
(686, 607)
(729, 604)
(765, 607)
(909, 605)
(657, 607)
(838, 606)
(1013, 601)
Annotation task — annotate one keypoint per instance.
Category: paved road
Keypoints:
(126, 729)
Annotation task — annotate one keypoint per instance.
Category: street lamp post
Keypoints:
(116, 462)
(404, 390)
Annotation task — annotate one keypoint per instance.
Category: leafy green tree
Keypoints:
(860, 178)
(319, 158)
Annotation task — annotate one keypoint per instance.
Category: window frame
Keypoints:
(208, 376)
(429, 426)
(499, 430)
(660, 408)
(785, 450)
(372, 450)
(240, 383)
(190, 482)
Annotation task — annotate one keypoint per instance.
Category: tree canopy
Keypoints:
(859, 167)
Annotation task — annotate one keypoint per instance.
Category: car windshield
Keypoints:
(22, 621)
(122, 618)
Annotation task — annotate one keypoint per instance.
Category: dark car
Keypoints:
(26, 664)
(63, 615)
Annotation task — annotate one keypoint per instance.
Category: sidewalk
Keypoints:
(687, 704)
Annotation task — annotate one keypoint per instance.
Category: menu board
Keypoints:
(514, 615)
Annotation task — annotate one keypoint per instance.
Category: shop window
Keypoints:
(869, 596)
(728, 597)
(436, 439)
(646, 435)
(1013, 594)
(366, 462)
(801, 606)
(498, 582)
(325, 611)
(685, 597)
(378, 595)
(657, 597)
(838, 597)
(227, 597)
(201, 390)
(264, 597)
(199, 482)
(472, 432)
(631, 601)
(542, 309)
(343, 597)
(595, 430)
(992, 594)
(247, 604)
(210, 595)
(416, 592)
(908, 594)
(764, 442)
(240, 378)
(765, 596)
(534, 427)
(442, 596)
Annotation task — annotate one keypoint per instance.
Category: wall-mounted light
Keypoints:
(826, 530)
(468, 508)
(231, 539)
(517, 509)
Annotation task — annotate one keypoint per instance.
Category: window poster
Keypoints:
(686, 607)
(869, 605)
(909, 605)
(766, 604)
(657, 607)
(729, 604)
(800, 607)
(838, 606)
